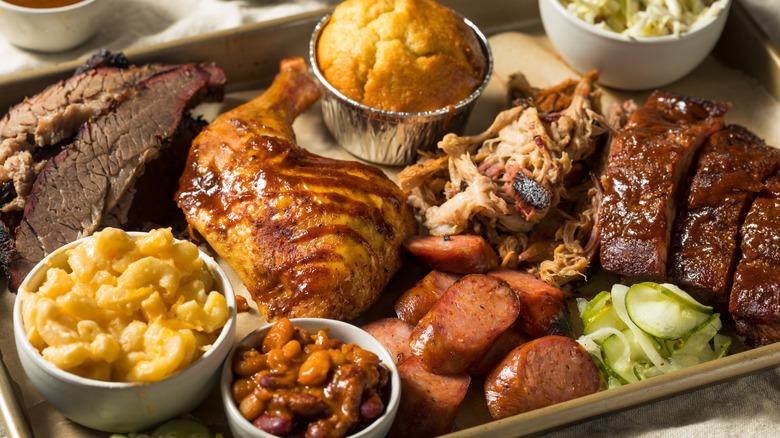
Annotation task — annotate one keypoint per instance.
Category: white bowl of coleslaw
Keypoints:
(649, 45)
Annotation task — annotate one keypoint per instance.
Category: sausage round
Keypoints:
(413, 304)
(464, 323)
(394, 335)
(461, 254)
(539, 373)
(544, 310)
(429, 402)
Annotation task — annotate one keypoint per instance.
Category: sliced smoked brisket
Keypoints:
(81, 186)
(648, 160)
(732, 166)
(755, 296)
(32, 131)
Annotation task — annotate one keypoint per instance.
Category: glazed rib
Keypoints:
(308, 235)
(732, 166)
(755, 296)
(647, 163)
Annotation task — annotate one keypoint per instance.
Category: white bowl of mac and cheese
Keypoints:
(122, 331)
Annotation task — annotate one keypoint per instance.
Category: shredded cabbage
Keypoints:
(646, 18)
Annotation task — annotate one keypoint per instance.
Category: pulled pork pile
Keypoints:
(523, 184)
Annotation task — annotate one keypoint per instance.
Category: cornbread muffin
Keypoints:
(400, 55)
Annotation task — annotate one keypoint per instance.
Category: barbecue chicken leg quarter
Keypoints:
(309, 236)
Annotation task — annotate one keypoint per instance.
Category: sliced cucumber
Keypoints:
(697, 340)
(606, 317)
(602, 369)
(617, 359)
(661, 314)
(182, 428)
(642, 331)
(721, 345)
(623, 355)
(679, 294)
(594, 306)
(646, 370)
(651, 347)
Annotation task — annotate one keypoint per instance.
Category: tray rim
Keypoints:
(552, 417)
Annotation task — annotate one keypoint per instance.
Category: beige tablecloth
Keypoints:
(745, 407)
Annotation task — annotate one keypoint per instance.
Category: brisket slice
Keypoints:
(153, 194)
(648, 161)
(755, 296)
(32, 131)
(732, 166)
(80, 186)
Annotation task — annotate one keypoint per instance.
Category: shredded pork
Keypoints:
(514, 183)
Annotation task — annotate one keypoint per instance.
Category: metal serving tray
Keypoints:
(250, 56)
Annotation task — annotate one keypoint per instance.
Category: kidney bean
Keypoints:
(274, 424)
(371, 406)
(304, 406)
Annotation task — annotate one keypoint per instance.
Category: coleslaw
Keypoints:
(646, 18)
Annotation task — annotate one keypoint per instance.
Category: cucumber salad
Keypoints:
(648, 329)
(646, 18)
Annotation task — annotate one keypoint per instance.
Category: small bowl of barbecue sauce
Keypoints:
(50, 25)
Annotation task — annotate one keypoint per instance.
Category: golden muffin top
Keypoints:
(400, 55)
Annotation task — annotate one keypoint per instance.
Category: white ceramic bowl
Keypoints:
(348, 333)
(51, 29)
(624, 62)
(120, 406)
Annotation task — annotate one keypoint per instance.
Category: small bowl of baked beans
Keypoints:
(310, 377)
(121, 331)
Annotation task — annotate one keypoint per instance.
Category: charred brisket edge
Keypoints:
(103, 59)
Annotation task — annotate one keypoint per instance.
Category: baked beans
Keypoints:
(302, 383)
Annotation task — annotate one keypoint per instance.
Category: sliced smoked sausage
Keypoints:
(394, 335)
(539, 373)
(464, 323)
(413, 304)
(544, 310)
(429, 402)
(461, 254)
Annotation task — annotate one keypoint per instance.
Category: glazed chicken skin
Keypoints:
(309, 236)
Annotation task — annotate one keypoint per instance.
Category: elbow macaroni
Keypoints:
(126, 311)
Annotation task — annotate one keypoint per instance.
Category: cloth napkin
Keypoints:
(136, 23)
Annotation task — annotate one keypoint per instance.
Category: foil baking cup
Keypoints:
(388, 137)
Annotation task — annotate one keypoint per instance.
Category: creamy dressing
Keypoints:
(646, 18)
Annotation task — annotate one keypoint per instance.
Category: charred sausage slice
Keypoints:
(461, 254)
(464, 323)
(544, 310)
(394, 335)
(429, 402)
(413, 304)
(542, 372)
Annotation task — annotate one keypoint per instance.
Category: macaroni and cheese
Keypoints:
(125, 309)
